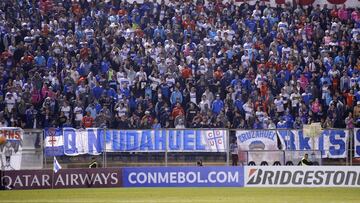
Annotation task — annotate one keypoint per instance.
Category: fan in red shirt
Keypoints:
(178, 110)
(87, 120)
(84, 52)
(186, 72)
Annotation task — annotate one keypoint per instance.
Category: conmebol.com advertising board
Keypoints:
(183, 177)
(302, 176)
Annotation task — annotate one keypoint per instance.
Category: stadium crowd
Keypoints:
(93, 63)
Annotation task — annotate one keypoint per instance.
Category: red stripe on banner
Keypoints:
(336, 1)
(280, 1)
(252, 171)
(306, 2)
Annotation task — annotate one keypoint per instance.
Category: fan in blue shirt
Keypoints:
(97, 91)
(217, 105)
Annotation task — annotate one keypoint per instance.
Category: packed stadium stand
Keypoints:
(179, 64)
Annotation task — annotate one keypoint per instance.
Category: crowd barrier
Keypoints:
(206, 176)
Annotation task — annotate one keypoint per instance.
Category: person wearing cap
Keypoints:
(146, 120)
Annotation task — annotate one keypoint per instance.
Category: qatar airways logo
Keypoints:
(66, 178)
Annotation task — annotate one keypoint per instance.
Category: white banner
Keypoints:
(302, 176)
(251, 145)
(11, 150)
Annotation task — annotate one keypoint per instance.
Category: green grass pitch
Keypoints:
(185, 195)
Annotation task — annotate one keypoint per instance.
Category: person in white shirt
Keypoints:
(249, 109)
(122, 79)
(155, 80)
(121, 110)
(204, 102)
(78, 114)
(279, 103)
(170, 80)
(193, 95)
(295, 99)
(260, 114)
(66, 109)
(209, 95)
(10, 101)
(283, 25)
(286, 51)
(141, 74)
(333, 73)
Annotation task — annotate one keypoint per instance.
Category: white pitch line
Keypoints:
(105, 201)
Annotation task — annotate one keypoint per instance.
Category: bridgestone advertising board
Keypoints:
(302, 176)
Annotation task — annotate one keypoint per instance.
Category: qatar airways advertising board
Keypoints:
(65, 178)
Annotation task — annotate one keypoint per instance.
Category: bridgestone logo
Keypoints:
(303, 177)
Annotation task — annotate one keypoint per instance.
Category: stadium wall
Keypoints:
(248, 176)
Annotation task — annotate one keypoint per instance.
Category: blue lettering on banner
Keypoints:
(183, 177)
(160, 140)
(96, 140)
(93, 141)
(115, 139)
(122, 140)
(357, 143)
(189, 140)
(70, 141)
(334, 144)
(257, 134)
(132, 140)
(338, 146)
(288, 138)
(304, 141)
(146, 141)
(174, 140)
(199, 145)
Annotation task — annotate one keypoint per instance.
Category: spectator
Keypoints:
(217, 105)
(87, 121)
